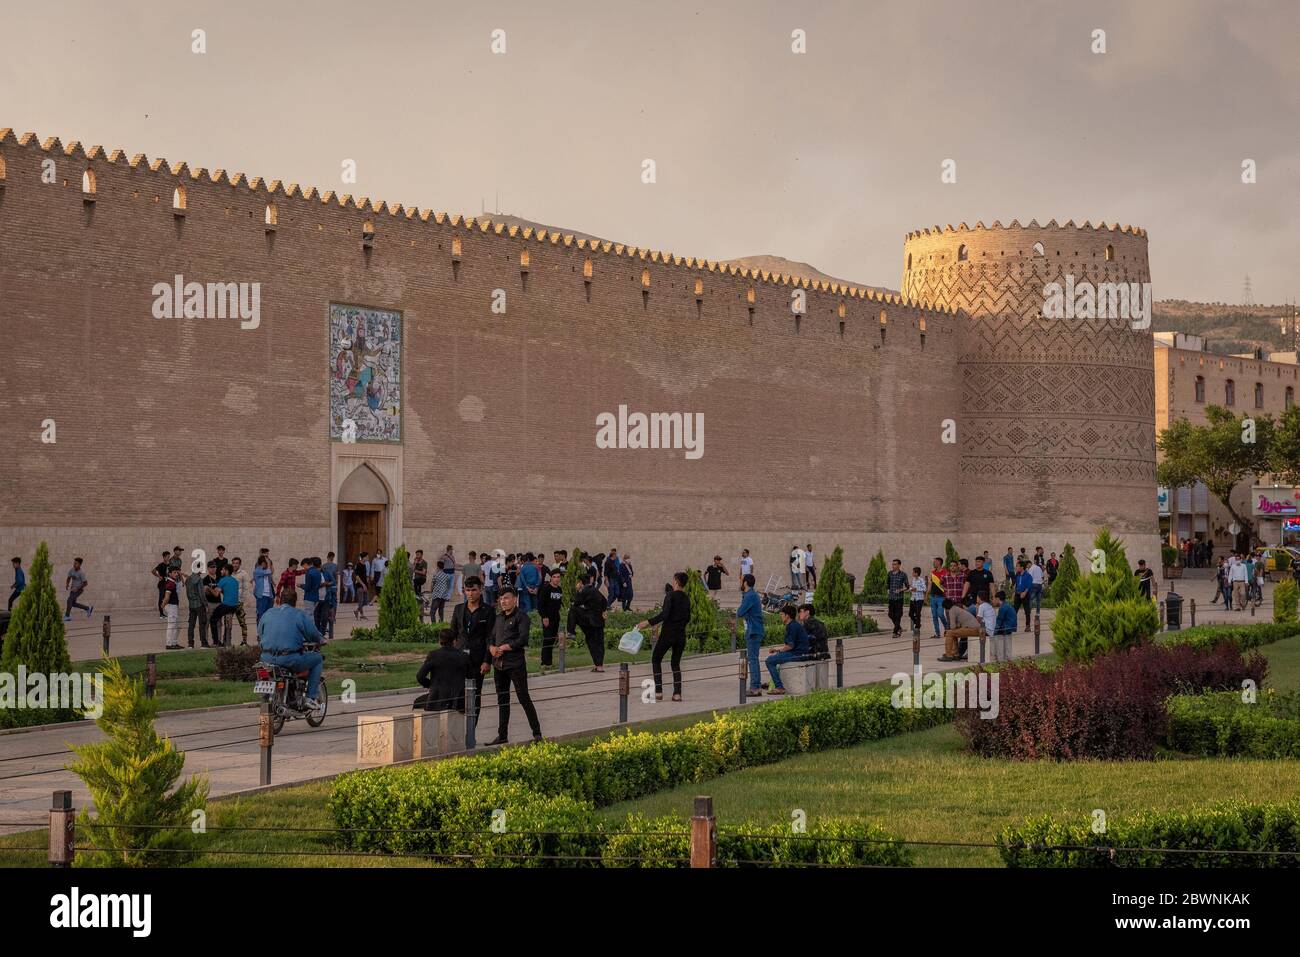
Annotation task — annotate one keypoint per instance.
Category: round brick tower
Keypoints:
(1057, 430)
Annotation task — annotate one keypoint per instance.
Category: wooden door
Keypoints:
(361, 533)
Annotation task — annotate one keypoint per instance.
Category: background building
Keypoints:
(1188, 379)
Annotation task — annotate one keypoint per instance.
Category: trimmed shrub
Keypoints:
(1229, 826)
(832, 842)
(375, 809)
(1168, 556)
(704, 613)
(1222, 724)
(833, 595)
(1067, 576)
(875, 588)
(1105, 611)
(569, 583)
(1285, 596)
(425, 631)
(398, 606)
(36, 640)
(236, 663)
(130, 776)
(1241, 637)
(1283, 562)
(1112, 709)
(949, 553)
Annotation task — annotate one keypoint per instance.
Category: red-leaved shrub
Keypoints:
(1112, 709)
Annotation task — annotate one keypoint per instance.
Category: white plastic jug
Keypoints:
(631, 642)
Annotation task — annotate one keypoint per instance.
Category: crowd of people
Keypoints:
(1240, 580)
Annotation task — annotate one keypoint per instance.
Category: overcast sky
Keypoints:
(828, 157)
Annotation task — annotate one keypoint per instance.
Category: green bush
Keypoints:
(833, 596)
(130, 775)
(875, 588)
(1230, 826)
(1283, 562)
(461, 793)
(949, 553)
(705, 617)
(569, 583)
(36, 641)
(398, 606)
(1285, 595)
(1105, 611)
(1244, 637)
(1067, 576)
(832, 842)
(1168, 556)
(426, 631)
(1222, 724)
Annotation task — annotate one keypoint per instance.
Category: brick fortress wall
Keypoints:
(820, 428)
(1058, 415)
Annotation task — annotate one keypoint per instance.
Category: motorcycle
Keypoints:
(287, 691)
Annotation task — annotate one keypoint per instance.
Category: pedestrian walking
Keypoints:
(160, 575)
(245, 580)
(809, 567)
(327, 610)
(227, 587)
(896, 586)
(550, 599)
(361, 587)
(613, 571)
(588, 611)
(472, 622)
(20, 581)
(263, 593)
(674, 616)
(74, 585)
(936, 596)
(746, 566)
(509, 665)
(917, 595)
(1025, 592)
(713, 577)
(625, 573)
(440, 593)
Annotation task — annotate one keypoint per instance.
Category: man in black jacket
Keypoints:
(509, 666)
(816, 631)
(471, 626)
(549, 599)
(672, 637)
(444, 672)
(588, 610)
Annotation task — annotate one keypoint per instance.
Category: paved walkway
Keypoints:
(223, 743)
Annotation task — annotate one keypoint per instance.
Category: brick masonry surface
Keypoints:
(822, 427)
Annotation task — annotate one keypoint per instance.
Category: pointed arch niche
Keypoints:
(366, 498)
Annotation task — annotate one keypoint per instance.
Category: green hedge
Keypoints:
(562, 783)
(834, 842)
(1244, 637)
(1222, 724)
(1230, 826)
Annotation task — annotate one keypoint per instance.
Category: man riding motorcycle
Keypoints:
(282, 633)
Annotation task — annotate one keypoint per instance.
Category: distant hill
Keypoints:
(1227, 328)
(789, 267)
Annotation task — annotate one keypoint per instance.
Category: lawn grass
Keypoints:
(920, 786)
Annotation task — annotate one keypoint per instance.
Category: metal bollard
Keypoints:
(624, 689)
(839, 662)
(704, 834)
(1162, 616)
(150, 674)
(744, 676)
(1252, 609)
(1038, 626)
(982, 638)
(734, 623)
(63, 823)
(563, 643)
(266, 738)
(916, 650)
(108, 627)
(1192, 610)
(857, 619)
(471, 713)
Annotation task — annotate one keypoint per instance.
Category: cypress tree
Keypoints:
(1105, 611)
(569, 583)
(704, 613)
(833, 595)
(36, 640)
(949, 553)
(398, 606)
(875, 585)
(1067, 575)
(130, 776)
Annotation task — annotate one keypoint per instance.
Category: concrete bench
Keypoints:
(385, 738)
(800, 677)
(438, 732)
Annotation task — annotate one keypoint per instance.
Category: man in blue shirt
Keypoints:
(1009, 563)
(229, 586)
(751, 613)
(20, 582)
(311, 587)
(1004, 627)
(282, 632)
(1025, 592)
(329, 600)
(796, 648)
(530, 580)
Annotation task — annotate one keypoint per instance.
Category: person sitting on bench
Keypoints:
(444, 672)
(818, 639)
(796, 648)
(961, 625)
